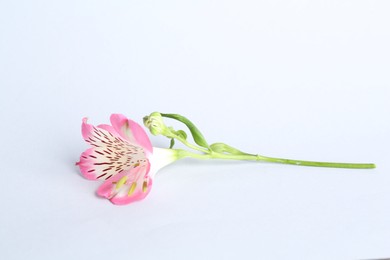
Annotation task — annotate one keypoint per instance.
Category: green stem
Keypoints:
(317, 164)
(253, 157)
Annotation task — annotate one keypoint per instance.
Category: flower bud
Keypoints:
(154, 122)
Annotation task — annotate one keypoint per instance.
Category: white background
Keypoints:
(296, 79)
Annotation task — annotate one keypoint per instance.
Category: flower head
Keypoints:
(121, 155)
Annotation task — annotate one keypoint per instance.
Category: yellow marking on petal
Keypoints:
(145, 186)
(120, 183)
(136, 165)
(132, 188)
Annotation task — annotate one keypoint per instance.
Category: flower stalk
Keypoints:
(224, 151)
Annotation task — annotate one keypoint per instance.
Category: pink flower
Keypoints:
(121, 155)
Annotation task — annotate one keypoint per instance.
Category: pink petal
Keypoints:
(126, 194)
(107, 188)
(109, 155)
(101, 163)
(110, 129)
(98, 137)
(131, 131)
(86, 165)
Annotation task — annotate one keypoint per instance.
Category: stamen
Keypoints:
(120, 183)
(132, 188)
(145, 186)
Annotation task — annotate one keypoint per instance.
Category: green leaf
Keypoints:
(172, 143)
(196, 134)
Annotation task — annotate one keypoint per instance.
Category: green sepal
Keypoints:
(196, 134)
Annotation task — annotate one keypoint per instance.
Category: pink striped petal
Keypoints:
(109, 155)
(135, 184)
(131, 131)
(98, 137)
(110, 129)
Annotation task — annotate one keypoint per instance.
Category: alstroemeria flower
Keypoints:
(123, 157)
